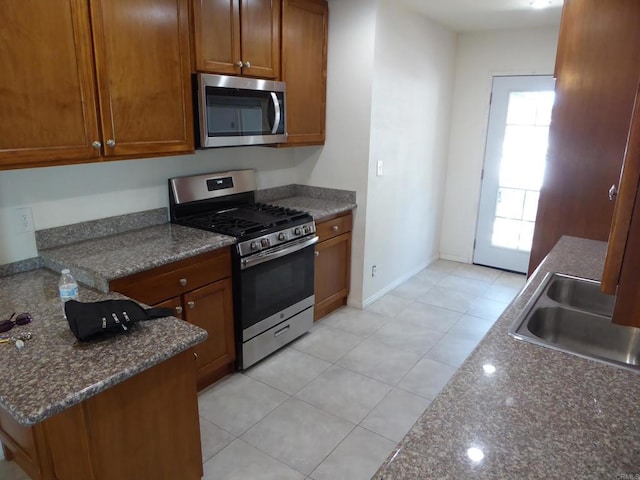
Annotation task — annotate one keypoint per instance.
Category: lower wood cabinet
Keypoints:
(333, 264)
(145, 428)
(198, 290)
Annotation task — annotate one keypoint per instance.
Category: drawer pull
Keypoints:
(334, 228)
(183, 281)
(191, 304)
(195, 356)
(178, 310)
(317, 254)
(281, 331)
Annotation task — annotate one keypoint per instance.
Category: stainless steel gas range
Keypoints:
(273, 260)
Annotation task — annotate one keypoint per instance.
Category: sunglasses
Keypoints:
(21, 319)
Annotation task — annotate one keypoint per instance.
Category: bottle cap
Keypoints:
(65, 270)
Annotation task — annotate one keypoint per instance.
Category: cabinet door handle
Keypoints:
(191, 304)
(247, 65)
(195, 356)
(96, 144)
(239, 64)
(613, 192)
(334, 228)
(183, 281)
(179, 310)
(317, 253)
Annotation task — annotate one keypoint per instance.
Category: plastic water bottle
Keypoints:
(68, 288)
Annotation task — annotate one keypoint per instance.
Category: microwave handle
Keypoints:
(278, 113)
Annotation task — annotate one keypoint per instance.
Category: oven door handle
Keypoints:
(259, 258)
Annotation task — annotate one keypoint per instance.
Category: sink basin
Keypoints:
(572, 315)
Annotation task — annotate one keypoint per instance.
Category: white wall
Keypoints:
(412, 94)
(480, 56)
(77, 193)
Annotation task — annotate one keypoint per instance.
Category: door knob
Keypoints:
(247, 65)
(334, 228)
(613, 192)
(183, 281)
(178, 310)
(191, 304)
(111, 143)
(96, 144)
(239, 64)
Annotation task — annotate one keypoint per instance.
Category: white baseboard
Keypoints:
(455, 258)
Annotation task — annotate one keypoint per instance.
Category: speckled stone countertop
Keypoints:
(96, 261)
(54, 371)
(318, 208)
(543, 414)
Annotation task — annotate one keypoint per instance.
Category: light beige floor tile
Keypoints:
(394, 416)
(471, 286)
(389, 305)
(241, 461)
(379, 361)
(11, 471)
(485, 308)
(513, 280)
(212, 439)
(327, 343)
(407, 336)
(430, 316)
(298, 434)
(358, 457)
(430, 276)
(344, 393)
(451, 350)
(477, 272)
(413, 288)
(427, 378)
(448, 298)
(238, 402)
(501, 293)
(355, 321)
(288, 370)
(443, 266)
(470, 328)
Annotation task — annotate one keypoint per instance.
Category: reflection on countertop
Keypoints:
(516, 410)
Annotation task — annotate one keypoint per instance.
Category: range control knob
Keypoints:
(253, 246)
(282, 236)
(307, 229)
(265, 242)
(297, 231)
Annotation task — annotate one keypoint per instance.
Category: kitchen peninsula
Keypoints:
(516, 410)
(103, 409)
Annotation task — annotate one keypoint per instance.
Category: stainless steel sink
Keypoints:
(572, 315)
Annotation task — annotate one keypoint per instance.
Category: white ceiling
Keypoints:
(478, 15)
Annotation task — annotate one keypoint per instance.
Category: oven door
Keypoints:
(274, 285)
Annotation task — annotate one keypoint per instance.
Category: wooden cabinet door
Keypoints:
(597, 74)
(217, 36)
(211, 308)
(143, 73)
(47, 83)
(332, 274)
(304, 69)
(260, 38)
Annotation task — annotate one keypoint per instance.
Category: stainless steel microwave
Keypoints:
(233, 111)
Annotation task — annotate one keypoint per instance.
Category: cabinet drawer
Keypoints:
(334, 227)
(161, 283)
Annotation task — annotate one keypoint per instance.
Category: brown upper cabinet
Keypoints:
(237, 37)
(304, 69)
(85, 80)
(597, 69)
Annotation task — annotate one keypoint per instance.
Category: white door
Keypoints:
(514, 163)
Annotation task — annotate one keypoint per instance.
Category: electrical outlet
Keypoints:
(373, 271)
(379, 171)
(24, 220)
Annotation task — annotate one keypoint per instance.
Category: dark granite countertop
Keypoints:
(54, 371)
(97, 261)
(542, 414)
(319, 208)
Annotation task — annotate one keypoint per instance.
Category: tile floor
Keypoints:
(334, 403)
